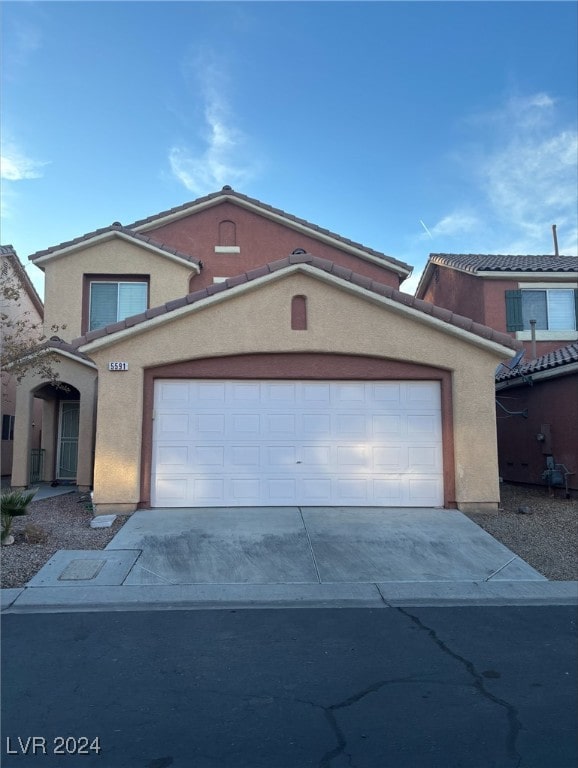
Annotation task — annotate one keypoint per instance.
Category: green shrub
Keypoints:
(13, 504)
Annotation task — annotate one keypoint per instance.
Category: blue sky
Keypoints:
(410, 127)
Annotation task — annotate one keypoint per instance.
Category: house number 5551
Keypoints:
(116, 366)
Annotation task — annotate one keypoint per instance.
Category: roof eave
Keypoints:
(550, 373)
(103, 237)
(472, 338)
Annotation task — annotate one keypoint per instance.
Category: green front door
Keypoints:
(68, 440)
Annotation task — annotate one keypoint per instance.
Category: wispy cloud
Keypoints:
(456, 223)
(217, 154)
(522, 171)
(516, 174)
(16, 166)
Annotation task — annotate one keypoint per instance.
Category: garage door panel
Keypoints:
(280, 490)
(280, 425)
(210, 424)
(421, 489)
(245, 456)
(209, 456)
(281, 456)
(171, 491)
(350, 393)
(173, 425)
(208, 490)
(315, 457)
(421, 393)
(389, 458)
(423, 426)
(352, 490)
(386, 424)
(209, 392)
(173, 457)
(314, 425)
(222, 443)
(423, 459)
(174, 392)
(281, 393)
(316, 394)
(353, 456)
(388, 490)
(244, 424)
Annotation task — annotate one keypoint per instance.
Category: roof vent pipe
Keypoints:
(555, 236)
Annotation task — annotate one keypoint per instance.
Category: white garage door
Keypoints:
(282, 443)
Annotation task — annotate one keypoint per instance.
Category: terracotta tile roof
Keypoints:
(9, 252)
(58, 344)
(115, 228)
(505, 263)
(228, 192)
(324, 265)
(556, 359)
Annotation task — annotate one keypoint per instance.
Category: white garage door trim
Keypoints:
(311, 443)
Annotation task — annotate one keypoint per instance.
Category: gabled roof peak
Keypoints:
(227, 193)
(116, 228)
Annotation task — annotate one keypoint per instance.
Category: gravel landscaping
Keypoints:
(546, 536)
(60, 522)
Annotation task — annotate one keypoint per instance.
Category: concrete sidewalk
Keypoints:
(315, 556)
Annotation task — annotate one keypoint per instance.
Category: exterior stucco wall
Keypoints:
(84, 379)
(64, 280)
(260, 241)
(259, 321)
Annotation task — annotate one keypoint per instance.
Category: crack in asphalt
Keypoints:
(328, 711)
(514, 723)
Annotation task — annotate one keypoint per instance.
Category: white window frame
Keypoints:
(548, 335)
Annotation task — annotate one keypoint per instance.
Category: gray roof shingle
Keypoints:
(472, 262)
(555, 359)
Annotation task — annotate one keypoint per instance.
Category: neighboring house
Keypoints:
(227, 353)
(506, 292)
(28, 308)
(545, 390)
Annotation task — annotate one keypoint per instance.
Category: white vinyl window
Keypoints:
(111, 302)
(552, 309)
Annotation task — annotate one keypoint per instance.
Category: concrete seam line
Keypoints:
(310, 545)
(495, 573)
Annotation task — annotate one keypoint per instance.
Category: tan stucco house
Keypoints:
(226, 353)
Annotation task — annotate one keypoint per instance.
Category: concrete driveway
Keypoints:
(312, 545)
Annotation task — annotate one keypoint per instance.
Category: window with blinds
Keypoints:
(112, 301)
(553, 310)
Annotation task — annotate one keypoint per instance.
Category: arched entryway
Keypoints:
(59, 444)
(68, 421)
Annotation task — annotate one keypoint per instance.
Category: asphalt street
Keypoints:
(469, 687)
